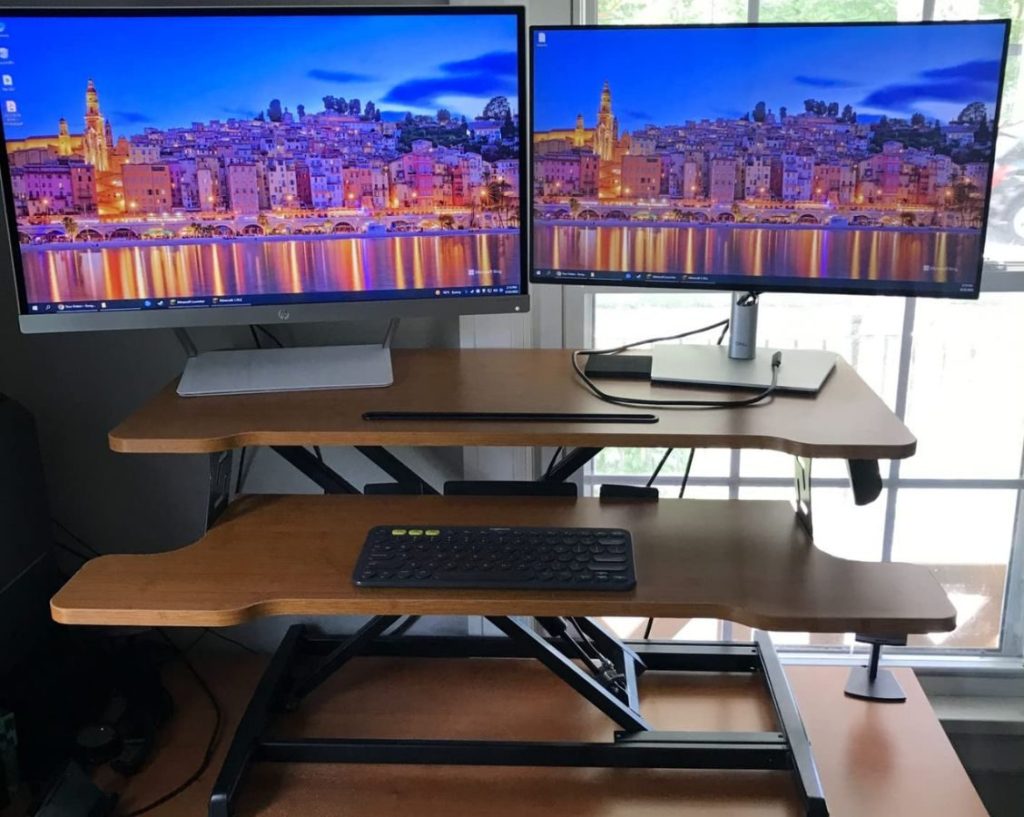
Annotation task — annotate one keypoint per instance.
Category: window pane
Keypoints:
(965, 399)
(1004, 240)
(641, 462)
(837, 11)
(626, 317)
(965, 536)
(610, 12)
(840, 527)
(865, 331)
(674, 629)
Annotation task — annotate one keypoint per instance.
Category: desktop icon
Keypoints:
(8, 79)
(542, 37)
(11, 106)
(3, 26)
(5, 53)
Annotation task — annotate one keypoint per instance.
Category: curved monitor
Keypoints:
(812, 158)
(254, 165)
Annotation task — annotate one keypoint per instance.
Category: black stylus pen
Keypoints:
(513, 416)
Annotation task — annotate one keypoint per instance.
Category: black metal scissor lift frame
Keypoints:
(579, 651)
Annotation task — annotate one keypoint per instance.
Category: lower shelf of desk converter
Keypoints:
(516, 558)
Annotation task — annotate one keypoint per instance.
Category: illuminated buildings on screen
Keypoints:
(780, 160)
(243, 167)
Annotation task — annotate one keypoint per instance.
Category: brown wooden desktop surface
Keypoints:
(846, 419)
(747, 561)
(874, 760)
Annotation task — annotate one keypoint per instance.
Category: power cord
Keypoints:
(554, 459)
(658, 467)
(74, 538)
(686, 473)
(682, 490)
(211, 745)
(646, 402)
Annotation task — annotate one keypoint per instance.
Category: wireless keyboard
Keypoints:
(506, 558)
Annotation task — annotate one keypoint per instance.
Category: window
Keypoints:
(950, 369)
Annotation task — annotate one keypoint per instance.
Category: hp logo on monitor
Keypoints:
(283, 314)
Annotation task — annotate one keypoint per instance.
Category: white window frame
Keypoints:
(578, 331)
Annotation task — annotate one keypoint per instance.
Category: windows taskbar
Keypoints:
(277, 299)
(749, 282)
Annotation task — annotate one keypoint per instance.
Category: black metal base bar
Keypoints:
(338, 657)
(254, 723)
(323, 475)
(411, 482)
(634, 746)
(568, 465)
(683, 753)
(792, 726)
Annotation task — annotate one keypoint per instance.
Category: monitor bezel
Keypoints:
(910, 290)
(311, 312)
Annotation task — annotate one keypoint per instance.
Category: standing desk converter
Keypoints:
(753, 562)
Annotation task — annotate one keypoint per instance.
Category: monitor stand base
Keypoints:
(249, 371)
(801, 370)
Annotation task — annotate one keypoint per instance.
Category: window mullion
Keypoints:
(902, 385)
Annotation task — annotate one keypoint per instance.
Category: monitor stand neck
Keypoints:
(743, 326)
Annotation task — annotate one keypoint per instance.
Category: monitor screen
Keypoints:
(191, 160)
(831, 158)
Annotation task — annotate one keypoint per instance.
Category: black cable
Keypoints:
(72, 551)
(650, 402)
(274, 339)
(210, 747)
(686, 473)
(647, 629)
(554, 458)
(721, 337)
(658, 467)
(230, 640)
(78, 540)
(319, 453)
(255, 337)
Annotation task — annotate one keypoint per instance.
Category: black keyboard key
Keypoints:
(608, 568)
(613, 558)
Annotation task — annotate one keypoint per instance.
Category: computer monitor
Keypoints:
(850, 158)
(201, 166)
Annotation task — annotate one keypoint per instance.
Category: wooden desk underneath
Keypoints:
(748, 561)
(845, 420)
(875, 761)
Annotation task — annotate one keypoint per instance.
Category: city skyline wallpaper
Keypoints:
(215, 159)
(856, 155)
